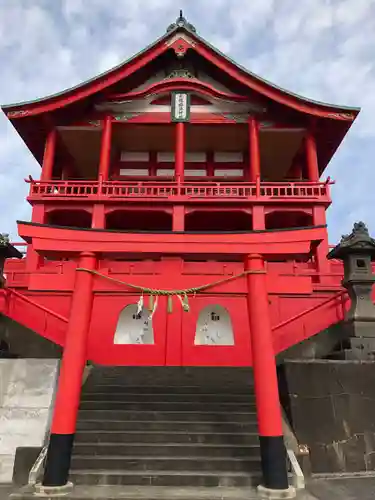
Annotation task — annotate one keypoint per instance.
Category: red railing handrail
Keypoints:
(39, 306)
(62, 183)
(203, 183)
(311, 309)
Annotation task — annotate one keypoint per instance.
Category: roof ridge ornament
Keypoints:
(358, 241)
(4, 239)
(181, 22)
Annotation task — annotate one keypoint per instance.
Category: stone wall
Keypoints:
(26, 392)
(319, 346)
(331, 405)
(25, 343)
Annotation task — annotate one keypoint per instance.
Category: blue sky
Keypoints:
(322, 49)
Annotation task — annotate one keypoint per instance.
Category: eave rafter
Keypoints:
(181, 84)
(268, 90)
(217, 101)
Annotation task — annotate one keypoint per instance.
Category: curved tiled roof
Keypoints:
(181, 25)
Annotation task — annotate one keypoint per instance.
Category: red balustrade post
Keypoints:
(327, 189)
(49, 155)
(272, 448)
(254, 152)
(311, 158)
(63, 427)
(257, 186)
(105, 151)
(180, 151)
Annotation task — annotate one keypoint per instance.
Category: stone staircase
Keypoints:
(191, 431)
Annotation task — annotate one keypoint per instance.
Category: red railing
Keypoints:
(311, 309)
(310, 321)
(10, 291)
(94, 190)
(34, 316)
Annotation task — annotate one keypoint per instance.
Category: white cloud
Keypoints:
(322, 49)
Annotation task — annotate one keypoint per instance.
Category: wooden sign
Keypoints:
(180, 106)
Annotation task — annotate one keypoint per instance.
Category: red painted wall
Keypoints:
(291, 292)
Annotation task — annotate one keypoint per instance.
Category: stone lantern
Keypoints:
(357, 251)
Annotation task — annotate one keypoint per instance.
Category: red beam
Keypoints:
(49, 241)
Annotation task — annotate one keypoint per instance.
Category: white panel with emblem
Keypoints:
(133, 327)
(214, 327)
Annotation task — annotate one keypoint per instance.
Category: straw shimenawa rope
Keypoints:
(181, 293)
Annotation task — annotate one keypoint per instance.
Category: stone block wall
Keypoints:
(26, 393)
(24, 343)
(331, 405)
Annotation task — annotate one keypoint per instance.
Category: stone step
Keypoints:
(163, 406)
(167, 428)
(158, 464)
(112, 436)
(122, 388)
(206, 479)
(93, 424)
(168, 450)
(152, 379)
(167, 397)
(114, 492)
(173, 375)
(188, 416)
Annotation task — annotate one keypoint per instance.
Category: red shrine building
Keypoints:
(179, 220)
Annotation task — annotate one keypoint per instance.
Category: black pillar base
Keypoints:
(57, 465)
(274, 464)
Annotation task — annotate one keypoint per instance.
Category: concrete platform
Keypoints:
(5, 491)
(361, 488)
(156, 493)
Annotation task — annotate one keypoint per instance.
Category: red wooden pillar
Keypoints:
(210, 164)
(153, 164)
(49, 155)
(254, 153)
(180, 151)
(259, 218)
(272, 448)
(70, 380)
(295, 172)
(322, 263)
(178, 218)
(311, 158)
(68, 172)
(33, 259)
(98, 216)
(105, 151)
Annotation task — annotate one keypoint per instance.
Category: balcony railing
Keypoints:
(172, 191)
